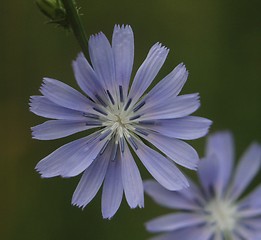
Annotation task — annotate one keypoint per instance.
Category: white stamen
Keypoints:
(118, 118)
(222, 213)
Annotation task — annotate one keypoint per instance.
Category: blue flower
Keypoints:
(215, 210)
(122, 115)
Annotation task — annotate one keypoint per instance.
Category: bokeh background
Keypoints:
(220, 43)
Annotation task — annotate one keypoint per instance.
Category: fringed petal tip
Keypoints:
(47, 80)
(137, 205)
(161, 49)
(80, 56)
(42, 173)
(122, 27)
(78, 205)
(96, 36)
(33, 99)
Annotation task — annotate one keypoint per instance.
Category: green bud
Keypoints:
(55, 11)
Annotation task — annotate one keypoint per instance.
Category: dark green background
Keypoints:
(220, 43)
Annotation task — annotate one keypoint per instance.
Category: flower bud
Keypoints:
(55, 11)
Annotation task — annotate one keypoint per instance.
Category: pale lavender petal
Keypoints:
(253, 224)
(131, 179)
(186, 128)
(235, 236)
(250, 212)
(43, 107)
(72, 158)
(193, 193)
(54, 129)
(177, 150)
(180, 106)
(86, 78)
(244, 232)
(103, 61)
(174, 221)
(53, 164)
(123, 51)
(170, 199)
(221, 145)
(83, 158)
(65, 96)
(248, 167)
(92, 179)
(199, 232)
(208, 173)
(170, 86)
(162, 169)
(112, 189)
(250, 206)
(251, 228)
(148, 71)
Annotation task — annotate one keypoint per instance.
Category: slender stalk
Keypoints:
(76, 25)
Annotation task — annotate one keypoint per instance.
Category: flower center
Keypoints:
(120, 121)
(118, 118)
(222, 213)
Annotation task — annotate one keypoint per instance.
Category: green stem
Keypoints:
(76, 25)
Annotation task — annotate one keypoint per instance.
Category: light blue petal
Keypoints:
(72, 158)
(193, 193)
(235, 237)
(175, 221)
(178, 107)
(170, 199)
(250, 228)
(202, 233)
(199, 232)
(247, 232)
(131, 179)
(208, 174)
(55, 163)
(148, 71)
(65, 96)
(221, 145)
(82, 159)
(250, 206)
(112, 189)
(43, 107)
(123, 51)
(162, 169)
(251, 211)
(253, 224)
(170, 86)
(103, 61)
(177, 150)
(92, 179)
(54, 129)
(248, 167)
(186, 128)
(86, 78)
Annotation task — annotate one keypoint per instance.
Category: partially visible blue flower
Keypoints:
(122, 115)
(215, 210)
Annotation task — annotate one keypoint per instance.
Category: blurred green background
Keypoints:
(220, 43)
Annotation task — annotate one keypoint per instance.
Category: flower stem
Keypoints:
(76, 25)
